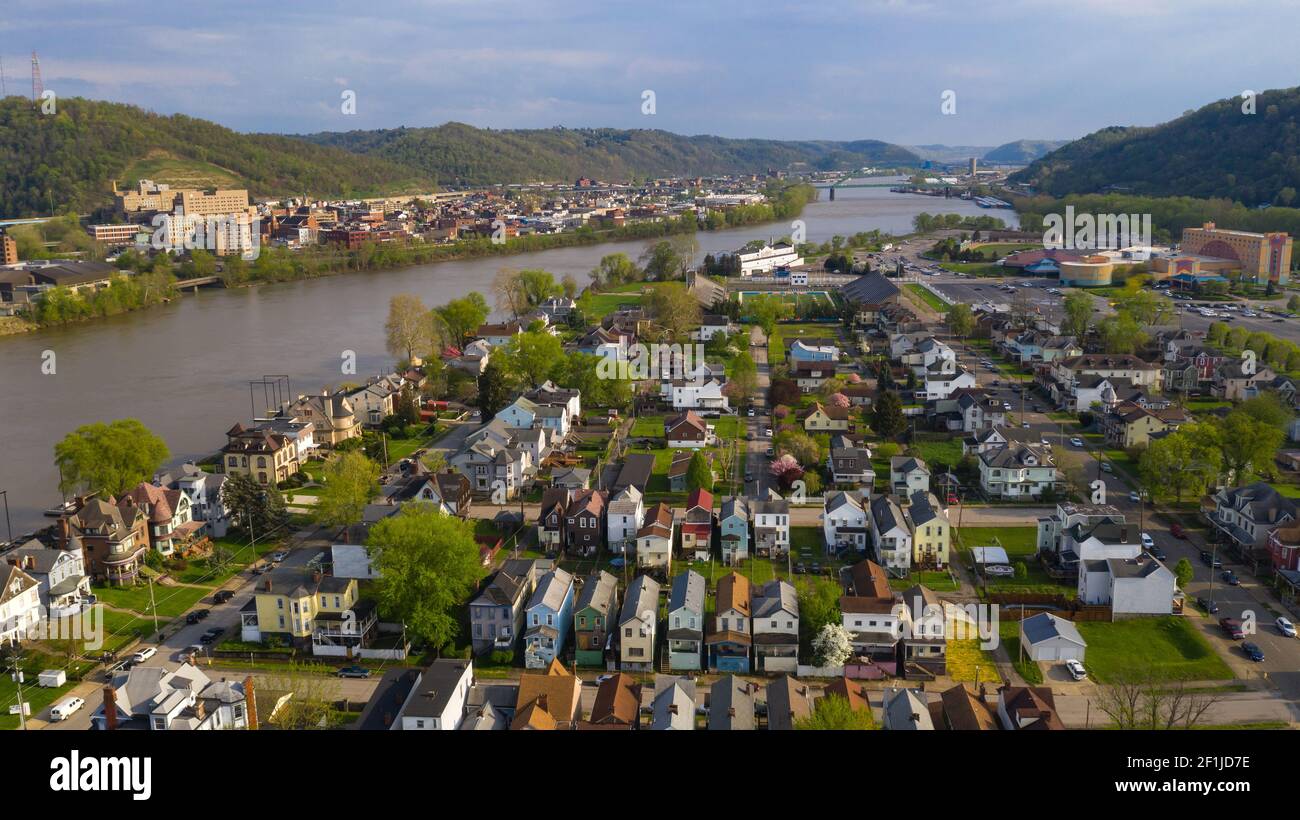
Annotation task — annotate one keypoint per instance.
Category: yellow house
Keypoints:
(267, 457)
(931, 532)
(822, 418)
(307, 608)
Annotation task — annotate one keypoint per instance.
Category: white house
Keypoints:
(941, 385)
(1046, 637)
(1016, 470)
(768, 258)
(1132, 586)
(352, 561)
(20, 605)
(908, 475)
(775, 613)
(889, 533)
(437, 701)
(844, 522)
(800, 352)
(706, 396)
(637, 624)
(771, 527)
(623, 518)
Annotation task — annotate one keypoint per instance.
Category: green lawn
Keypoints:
(171, 601)
(1017, 541)
(939, 452)
(928, 297)
(811, 330)
(1166, 648)
(648, 427)
(608, 301)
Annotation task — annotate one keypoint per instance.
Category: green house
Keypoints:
(596, 605)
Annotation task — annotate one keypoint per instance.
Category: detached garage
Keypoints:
(1046, 637)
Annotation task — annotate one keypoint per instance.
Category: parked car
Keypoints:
(279, 555)
(1230, 578)
(1076, 441)
(1253, 651)
(1232, 628)
(65, 708)
(800, 569)
(192, 618)
(1285, 627)
(1134, 497)
(1147, 541)
(211, 636)
(1157, 553)
(144, 654)
(354, 671)
(222, 596)
(1177, 531)
(1076, 669)
(1106, 468)
(1209, 606)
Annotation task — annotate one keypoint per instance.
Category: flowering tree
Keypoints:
(783, 464)
(831, 646)
(839, 400)
(854, 378)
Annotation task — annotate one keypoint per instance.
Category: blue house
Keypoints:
(816, 350)
(548, 618)
(733, 520)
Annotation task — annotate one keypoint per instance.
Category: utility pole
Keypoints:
(16, 673)
(153, 606)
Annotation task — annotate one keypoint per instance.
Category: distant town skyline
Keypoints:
(1020, 69)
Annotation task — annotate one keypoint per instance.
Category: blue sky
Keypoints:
(874, 69)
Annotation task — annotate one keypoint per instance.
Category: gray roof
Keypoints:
(552, 589)
(734, 506)
(840, 498)
(598, 592)
(886, 513)
(678, 693)
(1044, 626)
(900, 705)
(772, 507)
(687, 591)
(775, 596)
(731, 704)
(436, 687)
(871, 288)
(642, 596)
(923, 509)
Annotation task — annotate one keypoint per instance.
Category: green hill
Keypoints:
(1022, 151)
(70, 159)
(1215, 151)
(460, 154)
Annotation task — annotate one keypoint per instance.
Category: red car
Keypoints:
(1177, 531)
(1232, 627)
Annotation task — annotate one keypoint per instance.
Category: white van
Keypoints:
(144, 654)
(66, 708)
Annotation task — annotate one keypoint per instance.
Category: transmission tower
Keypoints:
(37, 87)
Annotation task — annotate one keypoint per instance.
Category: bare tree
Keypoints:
(1140, 701)
(311, 697)
(508, 292)
(406, 328)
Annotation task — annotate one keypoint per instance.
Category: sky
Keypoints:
(872, 69)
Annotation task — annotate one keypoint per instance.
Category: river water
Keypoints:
(183, 369)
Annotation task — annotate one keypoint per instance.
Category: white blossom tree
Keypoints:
(832, 647)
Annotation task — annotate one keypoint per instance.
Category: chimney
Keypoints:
(731, 711)
(672, 708)
(315, 576)
(200, 711)
(267, 585)
(914, 717)
(110, 707)
(250, 702)
(63, 531)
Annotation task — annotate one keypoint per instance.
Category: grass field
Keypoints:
(161, 166)
(1167, 648)
(939, 452)
(608, 301)
(927, 297)
(812, 330)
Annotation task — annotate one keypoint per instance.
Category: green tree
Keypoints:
(887, 415)
(1121, 333)
(1183, 462)
(1267, 408)
(494, 389)
(744, 375)
(615, 269)
(674, 308)
(351, 482)
(660, 261)
(463, 316)
(699, 475)
(960, 319)
(251, 503)
(765, 310)
(538, 286)
(529, 357)
(428, 564)
(834, 714)
(109, 458)
(1183, 572)
(1217, 334)
(1247, 445)
(406, 331)
(1078, 313)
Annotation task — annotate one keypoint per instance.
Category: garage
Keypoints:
(1045, 637)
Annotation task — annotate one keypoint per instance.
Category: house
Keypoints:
(931, 532)
(548, 701)
(496, 614)
(492, 462)
(703, 394)
(697, 526)
(771, 527)
(850, 465)
(686, 621)
(20, 605)
(584, 522)
(1130, 586)
(617, 704)
(331, 416)
(674, 704)
(374, 401)
(855, 694)
(548, 617)
(729, 639)
(905, 710)
(859, 395)
(776, 627)
(597, 604)
(654, 541)
(1046, 637)
(712, 325)
(686, 430)
(788, 702)
(907, 474)
(571, 478)
(527, 414)
(60, 574)
(1246, 515)
(812, 350)
(1051, 528)
(638, 623)
(206, 494)
(889, 534)
(151, 697)
(450, 492)
(167, 513)
(550, 519)
(924, 632)
(437, 700)
(557, 308)
(1016, 470)
(309, 610)
(1232, 383)
(844, 522)
(868, 294)
(965, 711)
(821, 419)
(733, 526)
(868, 611)
(266, 457)
(548, 394)
(499, 335)
(1107, 365)
(731, 704)
(635, 471)
(940, 385)
(623, 517)
(1284, 547)
(1028, 707)
(811, 375)
(1129, 426)
(114, 540)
